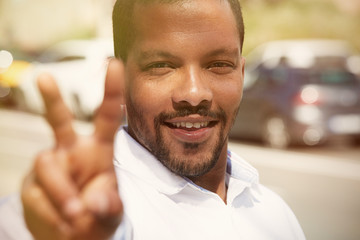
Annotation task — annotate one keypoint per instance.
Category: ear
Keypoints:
(121, 79)
(242, 65)
(122, 88)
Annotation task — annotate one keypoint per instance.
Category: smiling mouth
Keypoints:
(191, 126)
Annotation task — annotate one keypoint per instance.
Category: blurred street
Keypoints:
(321, 184)
(22, 136)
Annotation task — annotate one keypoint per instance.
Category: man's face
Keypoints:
(184, 76)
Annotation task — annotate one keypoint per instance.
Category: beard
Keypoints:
(193, 159)
(188, 164)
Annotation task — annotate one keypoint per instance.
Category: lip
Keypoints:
(197, 130)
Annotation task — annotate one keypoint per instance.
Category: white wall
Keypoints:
(33, 24)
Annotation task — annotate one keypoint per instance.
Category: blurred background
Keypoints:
(299, 122)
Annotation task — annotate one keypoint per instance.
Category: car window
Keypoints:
(279, 75)
(274, 77)
(335, 77)
(54, 56)
(328, 77)
(69, 58)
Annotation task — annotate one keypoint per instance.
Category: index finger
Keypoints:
(57, 113)
(111, 112)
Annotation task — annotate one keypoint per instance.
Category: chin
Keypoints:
(192, 160)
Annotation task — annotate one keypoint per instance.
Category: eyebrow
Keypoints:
(224, 51)
(145, 55)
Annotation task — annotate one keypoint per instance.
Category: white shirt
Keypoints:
(163, 206)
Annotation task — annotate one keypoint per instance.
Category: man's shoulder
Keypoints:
(12, 224)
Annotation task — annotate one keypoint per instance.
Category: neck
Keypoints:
(214, 180)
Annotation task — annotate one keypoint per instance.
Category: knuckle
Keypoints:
(31, 194)
(42, 160)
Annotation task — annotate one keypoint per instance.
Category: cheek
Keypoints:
(229, 96)
(148, 98)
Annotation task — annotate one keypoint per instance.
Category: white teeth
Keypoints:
(190, 125)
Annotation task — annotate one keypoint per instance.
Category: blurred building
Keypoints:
(34, 24)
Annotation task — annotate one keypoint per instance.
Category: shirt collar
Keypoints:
(241, 170)
(240, 175)
(132, 157)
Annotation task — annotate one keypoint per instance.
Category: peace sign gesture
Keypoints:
(71, 192)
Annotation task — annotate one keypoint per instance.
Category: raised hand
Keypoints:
(71, 192)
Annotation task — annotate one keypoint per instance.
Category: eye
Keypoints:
(221, 67)
(158, 68)
(159, 65)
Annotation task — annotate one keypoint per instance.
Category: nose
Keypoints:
(193, 88)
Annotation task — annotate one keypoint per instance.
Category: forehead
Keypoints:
(185, 11)
(197, 20)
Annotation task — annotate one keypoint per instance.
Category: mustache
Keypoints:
(186, 111)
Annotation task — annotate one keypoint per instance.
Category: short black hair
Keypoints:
(123, 29)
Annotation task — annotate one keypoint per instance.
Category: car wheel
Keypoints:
(275, 133)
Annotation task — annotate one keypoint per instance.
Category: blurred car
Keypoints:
(299, 92)
(79, 68)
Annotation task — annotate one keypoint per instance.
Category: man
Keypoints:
(182, 84)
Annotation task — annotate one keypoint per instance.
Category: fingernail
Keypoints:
(73, 207)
